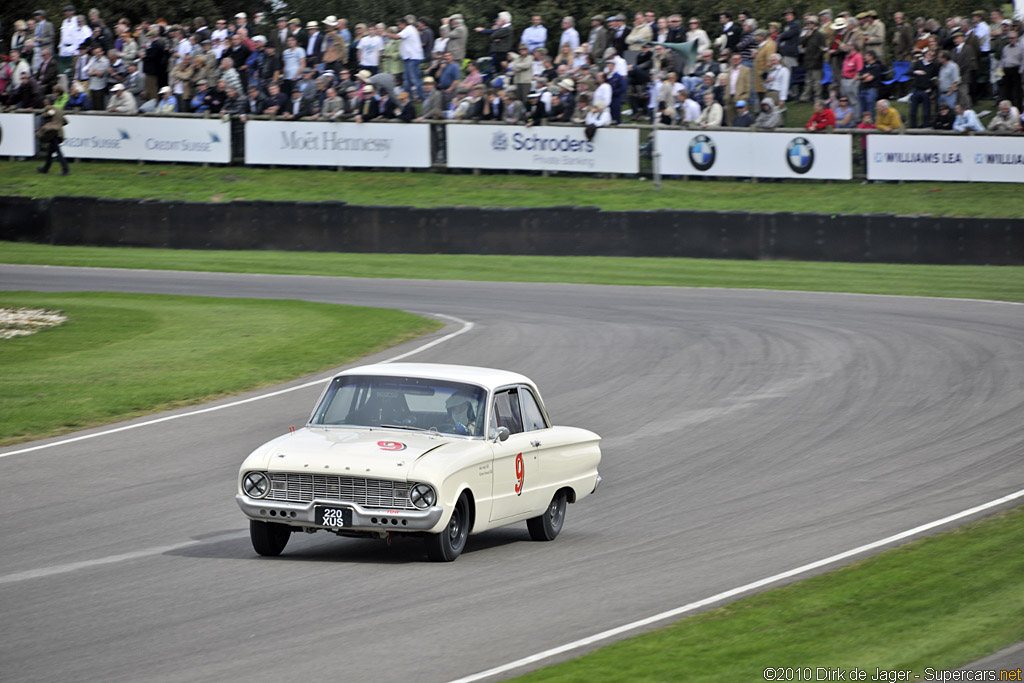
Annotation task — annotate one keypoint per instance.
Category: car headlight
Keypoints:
(256, 485)
(422, 496)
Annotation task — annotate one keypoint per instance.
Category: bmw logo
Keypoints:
(702, 152)
(499, 142)
(800, 155)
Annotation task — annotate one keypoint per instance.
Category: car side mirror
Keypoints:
(502, 434)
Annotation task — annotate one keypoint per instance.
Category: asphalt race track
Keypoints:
(746, 433)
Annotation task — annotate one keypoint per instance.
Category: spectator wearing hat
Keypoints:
(383, 83)
(769, 118)
(44, 33)
(298, 107)
(967, 60)
(200, 102)
(743, 118)
(369, 105)
(813, 46)
(433, 104)
(766, 47)
(598, 37)
(313, 44)
(166, 103)
(522, 71)
(874, 35)
(72, 34)
(51, 134)
(788, 40)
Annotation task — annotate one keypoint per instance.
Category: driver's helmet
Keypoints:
(460, 409)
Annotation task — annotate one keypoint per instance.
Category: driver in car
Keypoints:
(463, 416)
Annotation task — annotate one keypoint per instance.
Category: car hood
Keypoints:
(377, 453)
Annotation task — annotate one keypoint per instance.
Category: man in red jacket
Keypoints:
(823, 117)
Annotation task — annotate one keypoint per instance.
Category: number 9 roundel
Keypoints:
(520, 474)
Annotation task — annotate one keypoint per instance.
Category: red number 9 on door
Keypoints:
(520, 474)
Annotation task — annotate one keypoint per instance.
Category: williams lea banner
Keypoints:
(543, 148)
(302, 143)
(147, 138)
(754, 155)
(945, 157)
(17, 135)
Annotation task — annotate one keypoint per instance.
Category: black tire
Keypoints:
(449, 544)
(547, 526)
(268, 539)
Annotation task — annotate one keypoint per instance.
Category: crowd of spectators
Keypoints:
(744, 72)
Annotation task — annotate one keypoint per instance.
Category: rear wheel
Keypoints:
(267, 538)
(547, 526)
(448, 545)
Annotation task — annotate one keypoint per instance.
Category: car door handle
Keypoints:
(535, 444)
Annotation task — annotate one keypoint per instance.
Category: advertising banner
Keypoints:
(946, 157)
(17, 135)
(543, 148)
(147, 138)
(312, 143)
(754, 154)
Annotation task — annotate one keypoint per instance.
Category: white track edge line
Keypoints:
(466, 327)
(590, 640)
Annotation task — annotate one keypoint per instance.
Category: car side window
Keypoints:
(533, 418)
(506, 408)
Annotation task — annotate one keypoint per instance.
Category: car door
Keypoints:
(516, 467)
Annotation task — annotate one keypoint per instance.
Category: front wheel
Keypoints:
(448, 545)
(268, 539)
(547, 526)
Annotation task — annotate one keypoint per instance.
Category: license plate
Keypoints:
(335, 518)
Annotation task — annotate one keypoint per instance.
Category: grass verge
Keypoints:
(939, 602)
(216, 184)
(980, 282)
(123, 355)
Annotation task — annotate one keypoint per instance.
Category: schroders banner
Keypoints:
(754, 154)
(543, 148)
(17, 135)
(946, 157)
(302, 143)
(147, 138)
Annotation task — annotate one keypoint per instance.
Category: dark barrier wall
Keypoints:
(558, 231)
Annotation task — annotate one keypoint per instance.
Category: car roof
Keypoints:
(488, 378)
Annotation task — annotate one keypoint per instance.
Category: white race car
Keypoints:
(440, 451)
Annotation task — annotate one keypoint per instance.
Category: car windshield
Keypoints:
(412, 403)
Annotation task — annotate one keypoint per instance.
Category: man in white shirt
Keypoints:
(369, 48)
(71, 36)
(534, 35)
(293, 61)
(410, 49)
(569, 34)
(777, 81)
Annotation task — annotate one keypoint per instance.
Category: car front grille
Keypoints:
(369, 493)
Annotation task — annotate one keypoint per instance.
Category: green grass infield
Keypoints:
(123, 355)
(976, 282)
(935, 603)
(195, 183)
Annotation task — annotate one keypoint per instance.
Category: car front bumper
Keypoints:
(363, 519)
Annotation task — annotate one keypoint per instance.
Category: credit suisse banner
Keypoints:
(754, 154)
(17, 135)
(302, 143)
(543, 148)
(147, 138)
(945, 157)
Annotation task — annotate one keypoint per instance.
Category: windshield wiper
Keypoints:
(411, 427)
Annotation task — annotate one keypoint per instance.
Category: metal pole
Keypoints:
(655, 150)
